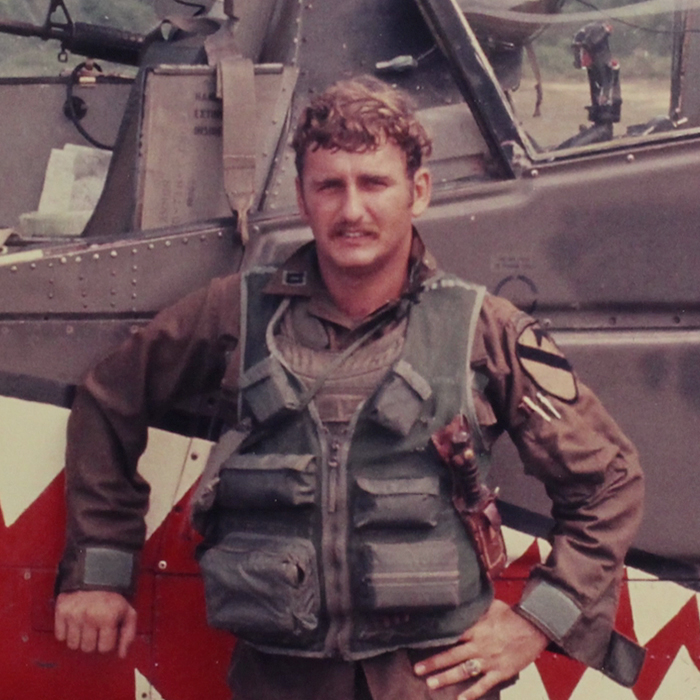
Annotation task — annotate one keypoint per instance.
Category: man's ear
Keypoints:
(301, 202)
(422, 189)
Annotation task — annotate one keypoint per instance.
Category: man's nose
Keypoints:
(352, 205)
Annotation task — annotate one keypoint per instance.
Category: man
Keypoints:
(332, 548)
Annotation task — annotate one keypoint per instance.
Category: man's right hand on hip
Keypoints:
(95, 621)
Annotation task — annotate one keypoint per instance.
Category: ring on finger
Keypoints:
(471, 667)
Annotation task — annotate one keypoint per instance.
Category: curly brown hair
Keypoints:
(359, 115)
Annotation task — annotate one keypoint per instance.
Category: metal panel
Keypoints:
(61, 350)
(603, 241)
(650, 383)
(26, 143)
(64, 307)
(180, 170)
(133, 276)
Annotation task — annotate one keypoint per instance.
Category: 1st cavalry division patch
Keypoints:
(545, 364)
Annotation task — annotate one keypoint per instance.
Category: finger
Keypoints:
(59, 626)
(446, 659)
(73, 633)
(481, 687)
(127, 633)
(88, 638)
(107, 639)
(463, 671)
(468, 634)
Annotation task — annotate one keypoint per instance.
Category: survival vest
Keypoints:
(345, 543)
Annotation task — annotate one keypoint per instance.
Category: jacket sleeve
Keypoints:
(589, 469)
(180, 353)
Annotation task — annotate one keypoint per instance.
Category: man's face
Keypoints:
(360, 207)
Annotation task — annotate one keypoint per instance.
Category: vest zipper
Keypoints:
(335, 543)
(333, 464)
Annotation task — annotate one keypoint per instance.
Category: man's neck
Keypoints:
(358, 297)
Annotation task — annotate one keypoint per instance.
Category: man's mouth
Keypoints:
(353, 233)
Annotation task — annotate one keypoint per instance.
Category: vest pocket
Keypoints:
(400, 401)
(268, 391)
(397, 503)
(409, 576)
(267, 481)
(262, 587)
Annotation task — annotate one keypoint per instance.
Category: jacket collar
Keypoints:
(299, 275)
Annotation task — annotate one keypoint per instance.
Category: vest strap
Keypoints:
(236, 86)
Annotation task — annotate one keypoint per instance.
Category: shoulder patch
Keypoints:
(546, 364)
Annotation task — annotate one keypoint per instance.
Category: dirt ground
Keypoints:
(563, 107)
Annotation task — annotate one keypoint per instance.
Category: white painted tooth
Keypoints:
(162, 465)
(197, 457)
(27, 464)
(654, 604)
(594, 684)
(517, 543)
(639, 575)
(682, 682)
(529, 686)
(545, 549)
(143, 689)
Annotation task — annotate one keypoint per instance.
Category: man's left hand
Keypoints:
(499, 645)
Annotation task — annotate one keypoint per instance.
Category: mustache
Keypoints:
(343, 227)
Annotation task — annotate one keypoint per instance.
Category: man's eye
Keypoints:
(375, 184)
(326, 186)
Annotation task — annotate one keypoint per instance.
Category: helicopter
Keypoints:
(119, 198)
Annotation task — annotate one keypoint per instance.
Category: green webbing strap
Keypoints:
(469, 407)
(235, 85)
(309, 394)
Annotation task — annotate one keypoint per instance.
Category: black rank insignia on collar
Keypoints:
(294, 278)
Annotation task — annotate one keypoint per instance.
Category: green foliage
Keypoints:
(135, 15)
(642, 45)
